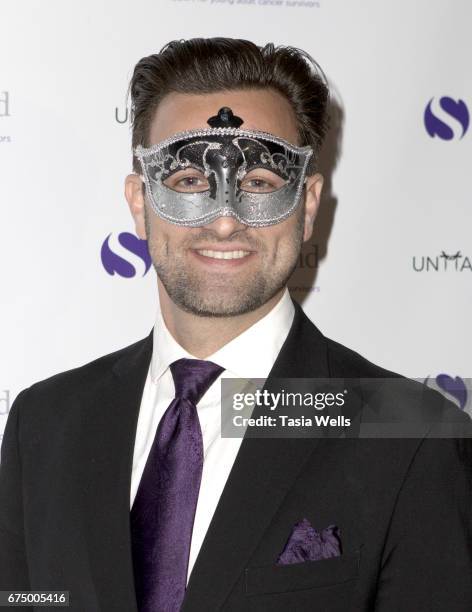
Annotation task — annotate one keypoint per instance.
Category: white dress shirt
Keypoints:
(249, 355)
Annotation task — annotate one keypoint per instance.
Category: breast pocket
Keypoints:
(305, 575)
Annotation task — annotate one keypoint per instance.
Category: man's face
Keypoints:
(223, 268)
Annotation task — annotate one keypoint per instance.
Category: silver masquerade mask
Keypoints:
(198, 175)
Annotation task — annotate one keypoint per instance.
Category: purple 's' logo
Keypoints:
(455, 387)
(115, 258)
(438, 116)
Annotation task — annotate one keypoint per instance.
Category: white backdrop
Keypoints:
(398, 194)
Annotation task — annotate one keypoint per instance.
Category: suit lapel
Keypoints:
(262, 474)
(111, 411)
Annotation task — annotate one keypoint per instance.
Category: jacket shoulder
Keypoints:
(86, 375)
(398, 396)
(345, 362)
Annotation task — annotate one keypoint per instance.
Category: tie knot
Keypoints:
(192, 377)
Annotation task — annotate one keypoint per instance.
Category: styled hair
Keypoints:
(208, 65)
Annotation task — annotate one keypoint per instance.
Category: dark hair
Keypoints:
(207, 65)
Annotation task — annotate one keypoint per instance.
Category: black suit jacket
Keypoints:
(403, 505)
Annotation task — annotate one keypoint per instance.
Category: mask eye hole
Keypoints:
(260, 180)
(189, 180)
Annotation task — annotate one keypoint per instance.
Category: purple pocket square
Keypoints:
(307, 544)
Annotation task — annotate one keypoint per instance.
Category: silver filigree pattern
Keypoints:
(224, 156)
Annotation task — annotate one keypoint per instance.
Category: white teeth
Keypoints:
(223, 254)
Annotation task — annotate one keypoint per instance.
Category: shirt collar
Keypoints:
(249, 355)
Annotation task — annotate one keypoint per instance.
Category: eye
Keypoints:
(257, 184)
(187, 181)
(261, 181)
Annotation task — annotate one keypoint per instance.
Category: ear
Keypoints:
(313, 187)
(134, 194)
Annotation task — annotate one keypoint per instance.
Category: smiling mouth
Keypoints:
(223, 254)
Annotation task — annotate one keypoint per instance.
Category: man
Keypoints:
(115, 483)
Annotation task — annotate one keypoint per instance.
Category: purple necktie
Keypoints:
(164, 508)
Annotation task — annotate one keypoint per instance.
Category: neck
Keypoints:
(203, 336)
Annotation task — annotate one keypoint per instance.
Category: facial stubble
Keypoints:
(218, 295)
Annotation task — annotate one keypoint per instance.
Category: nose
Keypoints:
(225, 226)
